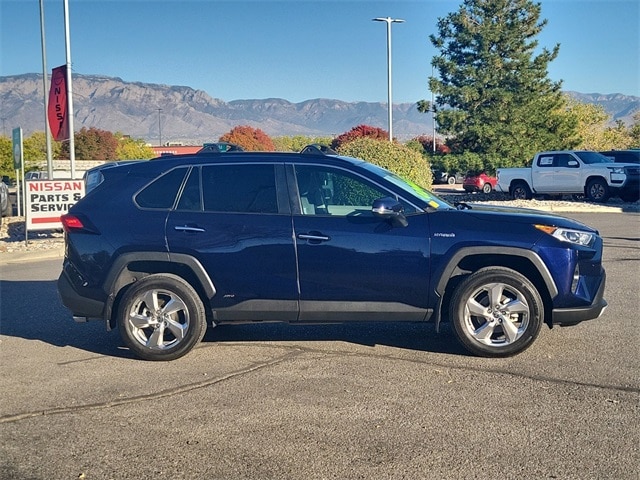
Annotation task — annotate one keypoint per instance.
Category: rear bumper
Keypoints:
(572, 316)
(82, 308)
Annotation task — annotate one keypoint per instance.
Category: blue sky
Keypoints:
(298, 49)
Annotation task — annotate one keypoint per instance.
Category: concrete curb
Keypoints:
(7, 258)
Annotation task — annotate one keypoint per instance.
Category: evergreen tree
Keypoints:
(493, 94)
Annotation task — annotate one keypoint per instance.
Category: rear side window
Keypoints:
(239, 188)
(162, 192)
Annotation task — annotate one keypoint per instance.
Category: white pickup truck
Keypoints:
(572, 172)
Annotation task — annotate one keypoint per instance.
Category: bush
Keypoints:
(397, 158)
(298, 142)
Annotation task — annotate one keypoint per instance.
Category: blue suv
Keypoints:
(161, 249)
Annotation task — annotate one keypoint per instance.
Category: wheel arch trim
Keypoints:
(116, 279)
(119, 266)
(456, 258)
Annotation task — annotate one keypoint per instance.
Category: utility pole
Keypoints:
(159, 128)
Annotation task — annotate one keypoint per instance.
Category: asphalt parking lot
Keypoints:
(359, 401)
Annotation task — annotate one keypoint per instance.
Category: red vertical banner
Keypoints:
(57, 108)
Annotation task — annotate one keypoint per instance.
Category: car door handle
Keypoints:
(314, 237)
(186, 228)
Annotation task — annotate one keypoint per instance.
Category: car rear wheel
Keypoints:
(487, 188)
(597, 190)
(521, 191)
(161, 317)
(451, 180)
(496, 312)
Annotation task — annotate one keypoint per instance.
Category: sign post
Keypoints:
(18, 163)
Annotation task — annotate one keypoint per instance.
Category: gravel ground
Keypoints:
(12, 232)
(12, 237)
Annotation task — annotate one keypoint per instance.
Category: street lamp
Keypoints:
(389, 21)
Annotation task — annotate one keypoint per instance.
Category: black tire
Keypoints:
(480, 327)
(630, 196)
(597, 190)
(451, 180)
(521, 191)
(155, 332)
(487, 188)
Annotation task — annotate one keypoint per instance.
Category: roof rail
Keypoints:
(318, 149)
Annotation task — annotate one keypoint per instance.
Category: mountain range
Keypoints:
(184, 115)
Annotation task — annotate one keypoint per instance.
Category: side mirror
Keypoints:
(573, 164)
(390, 209)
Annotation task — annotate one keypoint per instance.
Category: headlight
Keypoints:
(616, 169)
(577, 237)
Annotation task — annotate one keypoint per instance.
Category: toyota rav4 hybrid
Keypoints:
(164, 248)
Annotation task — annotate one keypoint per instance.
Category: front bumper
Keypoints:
(572, 316)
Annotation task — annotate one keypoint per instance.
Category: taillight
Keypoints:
(71, 222)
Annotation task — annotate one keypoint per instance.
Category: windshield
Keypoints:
(593, 157)
(410, 187)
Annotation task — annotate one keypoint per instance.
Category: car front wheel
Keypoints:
(487, 188)
(496, 312)
(597, 190)
(161, 317)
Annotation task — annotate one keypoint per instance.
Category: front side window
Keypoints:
(563, 159)
(329, 191)
(247, 188)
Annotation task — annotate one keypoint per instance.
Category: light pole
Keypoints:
(389, 21)
(433, 116)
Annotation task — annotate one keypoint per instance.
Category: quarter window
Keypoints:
(162, 192)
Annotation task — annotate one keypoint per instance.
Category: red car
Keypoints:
(479, 182)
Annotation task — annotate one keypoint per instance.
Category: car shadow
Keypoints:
(32, 310)
(404, 335)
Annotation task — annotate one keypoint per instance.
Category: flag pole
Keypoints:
(72, 148)
(45, 85)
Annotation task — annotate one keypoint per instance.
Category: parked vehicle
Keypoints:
(36, 175)
(450, 178)
(623, 156)
(572, 172)
(479, 182)
(93, 177)
(5, 203)
(161, 249)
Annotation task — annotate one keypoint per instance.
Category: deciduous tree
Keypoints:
(249, 138)
(595, 130)
(359, 132)
(132, 149)
(92, 144)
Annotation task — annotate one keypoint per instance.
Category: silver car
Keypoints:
(5, 204)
